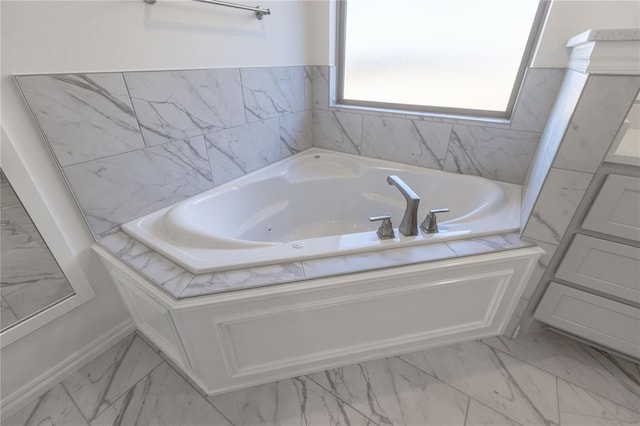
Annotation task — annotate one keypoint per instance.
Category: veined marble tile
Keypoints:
(595, 123)
(26, 265)
(8, 197)
(7, 317)
(562, 192)
(415, 142)
(498, 154)
(579, 407)
(297, 401)
(487, 244)
(595, 370)
(315, 268)
(320, 79)
(392, 392)
(156, 267)
(554, 132)
(117, 189)
(541, 266)
(161, 398)
(538, 93)
(38, 295)
(481, 415)
(54, 408)
(17, 229)
(273, 91)
(101, 382)
(533, 183)
(235, 152)
(84, 116)
(338, 131)
(174, 105)
(516, 389)
(296, 133)
(243, 278)
(561, 114)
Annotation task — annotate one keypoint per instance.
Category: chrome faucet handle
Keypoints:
(385, 232)
(430, 223)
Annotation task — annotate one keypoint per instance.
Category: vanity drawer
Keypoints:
(592, 317)
(616, 209)
(604, 266)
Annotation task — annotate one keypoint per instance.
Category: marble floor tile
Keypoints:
(480, 415)
(579, 407)
(54, 408)
(101, 382)
(392, 392)
(7, 316)
(298, 401)
(163, 397)
(595, 370)
(505, 384)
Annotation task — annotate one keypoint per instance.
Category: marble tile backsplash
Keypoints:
(133, 142)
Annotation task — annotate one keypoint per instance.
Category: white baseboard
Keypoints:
(50, 378)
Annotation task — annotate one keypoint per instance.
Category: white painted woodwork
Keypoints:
(603, 266)
(604, 321)
(243, 338)
(152, 318)
(616, 209)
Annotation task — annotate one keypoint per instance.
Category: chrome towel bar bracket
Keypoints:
(260, 12)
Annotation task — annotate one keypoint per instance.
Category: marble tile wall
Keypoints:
(130, 143)
(31, 280)
(492, 149)
(585, 120)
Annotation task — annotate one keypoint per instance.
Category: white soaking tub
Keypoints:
(317, 204)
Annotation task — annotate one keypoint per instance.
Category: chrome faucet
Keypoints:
(409, 225)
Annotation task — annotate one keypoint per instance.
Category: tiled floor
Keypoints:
(538, 379)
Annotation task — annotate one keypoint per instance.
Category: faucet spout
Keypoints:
(409, 225)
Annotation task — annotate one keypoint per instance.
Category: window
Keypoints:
(443, 56)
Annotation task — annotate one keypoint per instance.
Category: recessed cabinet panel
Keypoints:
(601, 320)
(152, 319)
(603, 266)
(616, 209)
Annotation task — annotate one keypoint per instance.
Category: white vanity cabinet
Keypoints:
(595, 292)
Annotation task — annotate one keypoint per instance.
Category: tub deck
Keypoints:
(180, 283)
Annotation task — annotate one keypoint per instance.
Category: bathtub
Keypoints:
(317, 204)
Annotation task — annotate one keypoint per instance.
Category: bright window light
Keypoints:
(443, 55)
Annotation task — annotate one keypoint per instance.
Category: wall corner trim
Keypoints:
(606, 52)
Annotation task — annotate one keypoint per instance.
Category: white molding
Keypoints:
(40, 209)
(50, 378)
(597, 55)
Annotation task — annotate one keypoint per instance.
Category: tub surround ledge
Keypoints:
(179, 283)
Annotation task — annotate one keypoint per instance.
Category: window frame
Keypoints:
(527, 56)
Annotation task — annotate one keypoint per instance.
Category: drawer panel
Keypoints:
(595, 318)
(616, 209)
(604, 266)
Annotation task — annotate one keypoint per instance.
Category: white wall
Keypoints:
(567, 18)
